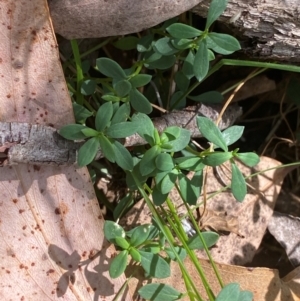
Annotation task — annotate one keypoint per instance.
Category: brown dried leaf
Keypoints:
(253, 213)
(265, 284)
(51, 240)
(218, 221)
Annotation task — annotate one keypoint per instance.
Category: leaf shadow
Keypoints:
(71, 263)
(276, 285)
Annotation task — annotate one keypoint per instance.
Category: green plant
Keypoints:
(169, 155)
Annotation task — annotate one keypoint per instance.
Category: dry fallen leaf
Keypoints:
(265, 284)
(218, 221)
(253, 215)
(52, 244)
(94, 19)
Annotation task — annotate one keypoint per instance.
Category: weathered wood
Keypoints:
(42, 145)
(35, 144)
(273, 26)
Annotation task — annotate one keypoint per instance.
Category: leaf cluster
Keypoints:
(145, 245)
(122, 111)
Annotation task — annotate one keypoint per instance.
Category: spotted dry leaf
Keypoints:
(218, 221)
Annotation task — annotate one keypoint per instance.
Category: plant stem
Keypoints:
(167, 234)
(79, 96)
(242, 63)
(194, 261)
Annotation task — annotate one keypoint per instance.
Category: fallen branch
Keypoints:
(42, 145)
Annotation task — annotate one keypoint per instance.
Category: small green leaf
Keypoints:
(163, 63)
(88, 87)
(88, 151)
(250, 159)
(216, 8)
(145, 43)
(88, 132)
(164, 162)
(147, 164)
(110, 97)
(179, 250)
(72, 132)
(122, 156)
(201, 62)
(210, 239)
(190, 163)
(121, 114)
(122, 87)
(85, 65)
(139, 102)
(238, 183)
(144, 126)
(124, 204)
(155, 265)
(211, 132)
(208, 97)
(222, 43)
(110, 68)
(183, 31)
(159, 292)
(217, 158)
(182, 81)
(151, 57)
(182, 43)
(81, 113)
(140, 80)
(158, 197)
(229, 292)
(127, 43)
(168, 181)
(164, 46)
(139, 235)
(191, 189)
(103, 116)
(122, 242)
(188, 65)
(245, 296)
(107, 148)
(211, 55)
(135, 254)
(151, 248)
(121, 130)
(113, 230)
(118, 264)
(170, 133)
(181, 141)
(232, 134)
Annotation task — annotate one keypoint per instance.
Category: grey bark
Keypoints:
(272, 26)
(42, 145)
(101, 18)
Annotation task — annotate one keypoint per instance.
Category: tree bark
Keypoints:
(41, 145)
(272, 26)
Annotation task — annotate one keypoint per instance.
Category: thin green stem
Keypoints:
(167, 234)
(242, 63)
(191, 216)
(96, 47)
(193, 259)
(79, 96)
(251, 76)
